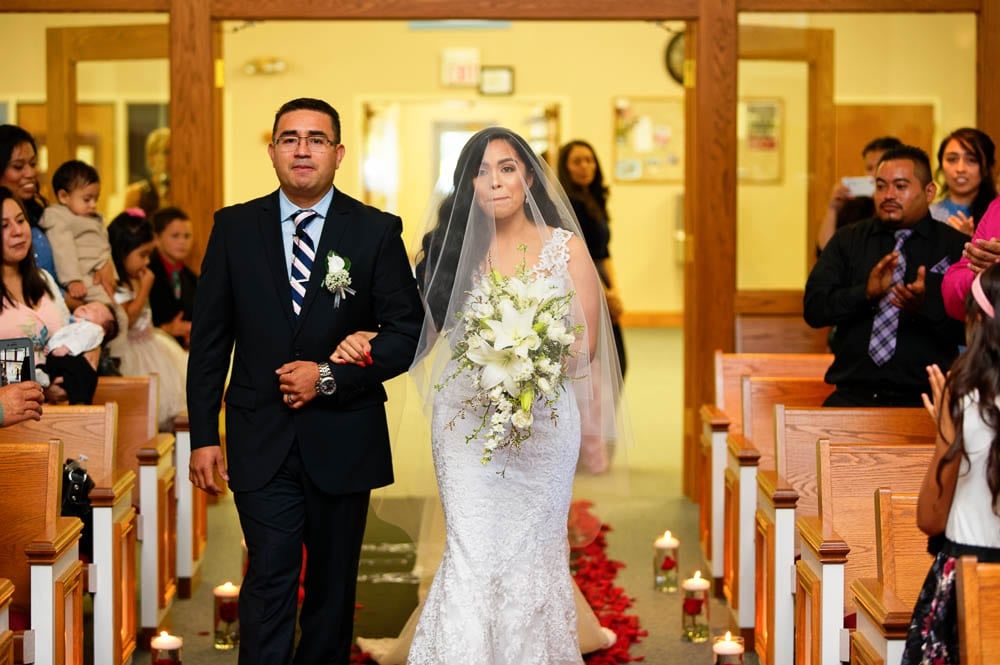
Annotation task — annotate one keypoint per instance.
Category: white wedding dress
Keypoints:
(503, 593)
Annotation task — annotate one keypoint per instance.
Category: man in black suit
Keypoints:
(307, 440)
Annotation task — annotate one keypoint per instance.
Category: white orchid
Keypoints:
(515, 329)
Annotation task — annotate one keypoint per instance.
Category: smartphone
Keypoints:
(862, 185)
(17, 360)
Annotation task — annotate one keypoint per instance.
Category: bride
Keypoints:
(522, 392)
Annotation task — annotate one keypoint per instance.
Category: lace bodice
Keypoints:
(503, 595)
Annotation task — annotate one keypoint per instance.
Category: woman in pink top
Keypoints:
(980, 253)
(30, 304)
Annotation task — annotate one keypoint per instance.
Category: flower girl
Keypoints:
(145, 349)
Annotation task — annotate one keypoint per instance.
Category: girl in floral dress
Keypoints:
(959, 495)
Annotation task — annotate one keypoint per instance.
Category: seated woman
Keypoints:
(30, 303)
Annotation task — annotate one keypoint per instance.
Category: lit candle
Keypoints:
(227, 616)
(728, 650)
(166, 649)
(694, 608)
(665, 562)
(667, 542)
(696, 583)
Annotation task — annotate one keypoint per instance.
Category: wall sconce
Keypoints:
(264, 66)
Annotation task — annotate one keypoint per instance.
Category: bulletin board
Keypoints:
(649, 139)
(760, 139)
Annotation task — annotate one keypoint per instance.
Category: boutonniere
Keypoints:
(338, 277)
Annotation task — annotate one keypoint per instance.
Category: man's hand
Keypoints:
(880, 278)
(205, 462)
(910, 297)
(20, 402)
(982, 253)
(839, 194)
(297, 381)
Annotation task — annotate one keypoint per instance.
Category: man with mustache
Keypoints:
(879, 282)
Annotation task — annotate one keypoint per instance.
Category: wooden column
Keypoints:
(987, 62)
(60, 90)
(195, 157)
(709, 210)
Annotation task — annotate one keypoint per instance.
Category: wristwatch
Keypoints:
(326, 385)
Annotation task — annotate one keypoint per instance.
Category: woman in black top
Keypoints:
(580, 175)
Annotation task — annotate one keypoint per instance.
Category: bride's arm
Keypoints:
(588, 289)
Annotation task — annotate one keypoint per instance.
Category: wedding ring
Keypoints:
(288, 400)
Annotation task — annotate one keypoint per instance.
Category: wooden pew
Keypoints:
(885, 604)
(150, 454)
(89, 434)
(192, 515)
(6, 636)
(39, 553)
(747, 451)
(978, 587)
(723, 416)
(790, 491)
(838, 544)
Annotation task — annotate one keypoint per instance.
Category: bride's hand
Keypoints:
(356, 348)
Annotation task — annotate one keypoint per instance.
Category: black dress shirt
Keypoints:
(835, 295)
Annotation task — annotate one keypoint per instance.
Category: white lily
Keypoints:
(514, 329)
(499, 367)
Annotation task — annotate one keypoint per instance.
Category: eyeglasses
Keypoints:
(315, 142)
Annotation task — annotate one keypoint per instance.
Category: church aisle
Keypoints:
(653, 504)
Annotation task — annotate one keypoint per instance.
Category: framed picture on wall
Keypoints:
(649, 139)
(760, 134)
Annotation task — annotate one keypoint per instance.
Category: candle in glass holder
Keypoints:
(728, 650)
(227, 616)
(166, 649)
(665, 550)
(694, 608)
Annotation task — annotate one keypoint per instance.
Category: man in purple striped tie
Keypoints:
(285, 278)
(879, 282)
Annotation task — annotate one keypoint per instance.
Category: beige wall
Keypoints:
(582, 65)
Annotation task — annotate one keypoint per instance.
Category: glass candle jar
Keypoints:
(227, 616)
(695, 609)
(728, 650)
(665, 562)
(166, 649)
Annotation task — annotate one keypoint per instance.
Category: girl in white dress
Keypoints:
(145, 349)
(960, 492)
(503, 594)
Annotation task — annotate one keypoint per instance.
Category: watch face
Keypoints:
(327, 386)
(674, 57)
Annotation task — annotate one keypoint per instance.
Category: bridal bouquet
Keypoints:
(517, 347)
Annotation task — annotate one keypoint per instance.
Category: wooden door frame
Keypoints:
(710, 268)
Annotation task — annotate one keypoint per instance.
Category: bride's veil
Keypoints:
(457, 245)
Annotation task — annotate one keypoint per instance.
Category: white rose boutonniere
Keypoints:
(338, 277)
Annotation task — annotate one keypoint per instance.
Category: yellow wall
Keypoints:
(582, 65)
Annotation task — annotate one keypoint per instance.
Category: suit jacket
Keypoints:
(243, 305)
(161, 296)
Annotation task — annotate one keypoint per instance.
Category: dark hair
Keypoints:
(12, 136)
(978, 369)
(442, 245)
(72, 175)
(981, 145)
(308, 104)
(595, 195)
(111, 328)
(126, 233)
(881, 144)
(164, 216)
(921, 162)
(33, 284)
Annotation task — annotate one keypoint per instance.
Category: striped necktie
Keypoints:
(882, 343)
(303, 255)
